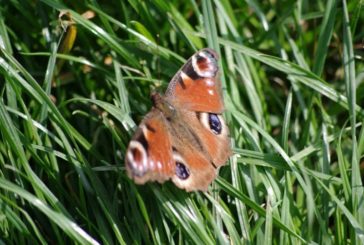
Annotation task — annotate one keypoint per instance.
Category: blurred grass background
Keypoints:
(75, 81)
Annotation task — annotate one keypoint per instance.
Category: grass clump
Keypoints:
(75, 81)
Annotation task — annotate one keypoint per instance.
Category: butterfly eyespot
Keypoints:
(136, 158)
(204, 63)
(137, 155)
(215, 123)
(182, 171)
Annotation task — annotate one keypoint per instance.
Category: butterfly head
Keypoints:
(161, 103)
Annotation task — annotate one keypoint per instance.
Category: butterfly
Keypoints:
(184, 137)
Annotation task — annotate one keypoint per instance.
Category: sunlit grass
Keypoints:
(292, 79)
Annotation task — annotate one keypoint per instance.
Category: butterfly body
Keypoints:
(183, 137)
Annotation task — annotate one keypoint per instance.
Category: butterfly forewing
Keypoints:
(196, 85)
(149, 155)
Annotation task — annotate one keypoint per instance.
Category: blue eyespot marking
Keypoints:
(215, 123)
(182, 171)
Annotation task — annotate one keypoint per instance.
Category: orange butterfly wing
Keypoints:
(196, 86)
(149, 154)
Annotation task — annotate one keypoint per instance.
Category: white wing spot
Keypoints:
(139, 147)
(210, 82)
(184, 76)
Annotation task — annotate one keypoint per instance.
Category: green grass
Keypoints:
(292, 74)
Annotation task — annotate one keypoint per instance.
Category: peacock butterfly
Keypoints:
(184, 136)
